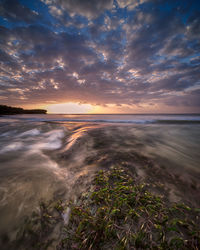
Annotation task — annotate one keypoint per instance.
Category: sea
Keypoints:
(55, 156)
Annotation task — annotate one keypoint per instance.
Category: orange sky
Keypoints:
(78, 108)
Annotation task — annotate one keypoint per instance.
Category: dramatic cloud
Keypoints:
(142, 54)
(16, 12)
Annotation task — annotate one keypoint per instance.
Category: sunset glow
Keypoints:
(101, 56)
(69, 108)
(99, 124)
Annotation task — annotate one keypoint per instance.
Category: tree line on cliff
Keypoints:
(7, 110)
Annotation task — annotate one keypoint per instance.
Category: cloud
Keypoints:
(15, 11)
(193, 26)
(87, 8)
(142, 56)
(130, 4)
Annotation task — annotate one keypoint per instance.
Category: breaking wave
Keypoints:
(120, 119)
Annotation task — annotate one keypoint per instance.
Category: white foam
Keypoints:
(49, 141)
(12, 147)
(66, 216)
(54, 134)
(31, 132)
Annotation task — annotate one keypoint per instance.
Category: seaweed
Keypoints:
(121, 214)
(116, 212)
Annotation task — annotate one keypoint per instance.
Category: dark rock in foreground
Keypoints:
(6, 110)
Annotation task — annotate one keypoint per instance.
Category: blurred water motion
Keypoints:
(43, 157)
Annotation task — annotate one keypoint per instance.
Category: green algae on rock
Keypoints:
(117, 212)
(121, 214)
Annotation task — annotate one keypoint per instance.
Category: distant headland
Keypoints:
(7, 110)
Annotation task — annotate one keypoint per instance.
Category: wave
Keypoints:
(187, 121)
(178, 121)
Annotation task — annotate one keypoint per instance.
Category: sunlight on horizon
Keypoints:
(69, 108)
(78, 108)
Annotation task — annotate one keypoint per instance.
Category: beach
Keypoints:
(50, 157)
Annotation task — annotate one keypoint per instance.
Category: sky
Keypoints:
(101, 56)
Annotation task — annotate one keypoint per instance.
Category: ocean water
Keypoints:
(46, 157)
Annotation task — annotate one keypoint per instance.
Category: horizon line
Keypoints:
(123, 113)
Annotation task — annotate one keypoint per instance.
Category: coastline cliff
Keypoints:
(7, 110)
